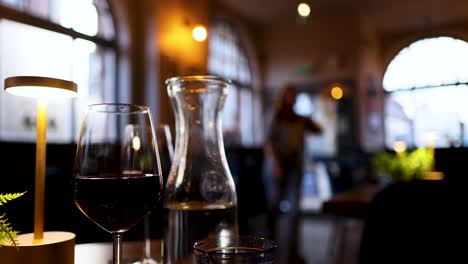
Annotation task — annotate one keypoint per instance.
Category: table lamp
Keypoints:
(41, 247)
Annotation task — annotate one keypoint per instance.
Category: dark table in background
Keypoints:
(353, 203)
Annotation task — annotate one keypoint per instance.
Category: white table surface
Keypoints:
(101, 253)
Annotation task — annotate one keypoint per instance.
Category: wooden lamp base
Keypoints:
(55, 248)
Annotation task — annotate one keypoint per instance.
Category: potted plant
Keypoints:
(404, 166)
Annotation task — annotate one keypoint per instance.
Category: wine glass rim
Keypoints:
(120, 108)
(270, 248)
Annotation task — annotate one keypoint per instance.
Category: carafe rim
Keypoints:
(204, 78)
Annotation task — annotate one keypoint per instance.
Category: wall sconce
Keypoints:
(199, 33)
(41, 246)
(336, 92)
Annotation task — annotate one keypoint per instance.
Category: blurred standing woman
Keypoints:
(286, 146)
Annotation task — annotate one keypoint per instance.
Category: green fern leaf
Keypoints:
(7, 234)
(4, 198)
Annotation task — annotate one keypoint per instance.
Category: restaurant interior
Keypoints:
(382, 179)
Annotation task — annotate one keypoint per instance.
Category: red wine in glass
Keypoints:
(117, 202)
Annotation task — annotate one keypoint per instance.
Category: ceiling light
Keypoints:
(303, 9)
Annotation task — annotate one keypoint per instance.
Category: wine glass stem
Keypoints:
(147, 236)
(117, 256)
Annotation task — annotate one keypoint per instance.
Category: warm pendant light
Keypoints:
(199, 33)
(303, 9)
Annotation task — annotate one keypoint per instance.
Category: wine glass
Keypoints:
(117, 174)
(166, 152)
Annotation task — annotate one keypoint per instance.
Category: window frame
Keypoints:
(238, 84)
(388, 93)
(26, 18)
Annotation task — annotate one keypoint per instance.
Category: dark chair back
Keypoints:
(416, 222)
(246, 165)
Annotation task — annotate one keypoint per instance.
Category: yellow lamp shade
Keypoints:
(40, 87)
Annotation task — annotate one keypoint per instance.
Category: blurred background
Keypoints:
(385, 80)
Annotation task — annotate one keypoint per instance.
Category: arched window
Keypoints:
(228, 59)
(427, 90)
(66, 39)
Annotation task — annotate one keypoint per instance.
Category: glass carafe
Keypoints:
(200, 198)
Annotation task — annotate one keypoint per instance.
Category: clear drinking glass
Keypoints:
(117, 174)
(153, 220)
(166, 148)
(235, 250)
